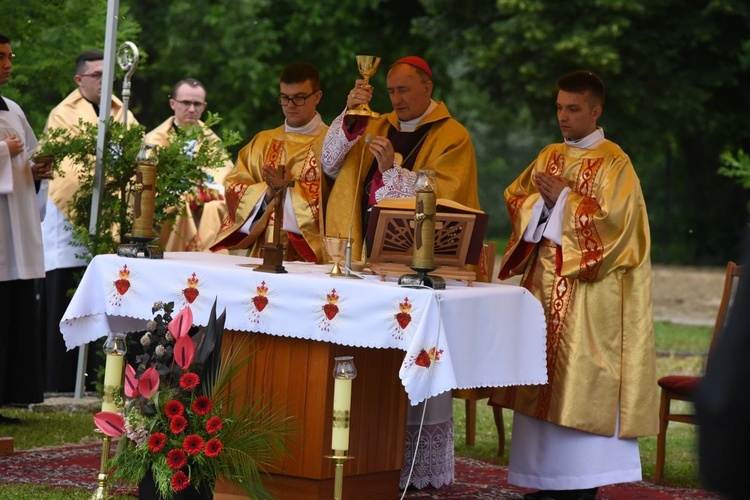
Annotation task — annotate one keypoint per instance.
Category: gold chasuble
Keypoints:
(596, 293)
(66, 115)
(447, 149)
(300, 153)
(192, 231)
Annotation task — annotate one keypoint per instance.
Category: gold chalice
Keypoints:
(367, 66)
(336, 248)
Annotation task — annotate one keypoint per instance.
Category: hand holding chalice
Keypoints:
(362, 93)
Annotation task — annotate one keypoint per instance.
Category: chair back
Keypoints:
(486, 265)
(731, 280)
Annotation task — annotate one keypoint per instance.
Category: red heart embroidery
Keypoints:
(423, 359)
(403, 319)
(190, 294)
(122, 286)
(260, 302)
(331, 311)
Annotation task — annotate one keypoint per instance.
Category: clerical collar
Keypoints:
(588, 142)
(308, 129)
(411, 125)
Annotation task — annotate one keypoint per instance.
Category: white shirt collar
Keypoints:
(308, 129)
(411, 125)
(590, 141)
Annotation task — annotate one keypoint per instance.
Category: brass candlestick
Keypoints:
(115, 347)
(143, 208)
(367, 66)
(344, 372)
(423, 259)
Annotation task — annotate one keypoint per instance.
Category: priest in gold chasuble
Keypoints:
(297, 146)
(581, 241)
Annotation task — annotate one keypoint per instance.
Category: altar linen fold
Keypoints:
(460, 337)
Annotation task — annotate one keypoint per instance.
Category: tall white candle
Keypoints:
(113, 370)
(342, 398)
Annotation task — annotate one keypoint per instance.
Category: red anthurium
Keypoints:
(181, 324)
(148, 384)
(110, 423)
(131, 383)
(184, 351)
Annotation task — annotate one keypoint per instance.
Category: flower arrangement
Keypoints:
(177, 421)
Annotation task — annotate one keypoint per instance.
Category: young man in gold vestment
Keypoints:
(61, 253)
(581, 240)
(195, 228)
(296, 145)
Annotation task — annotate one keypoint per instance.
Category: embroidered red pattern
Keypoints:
(260, 301)
(309, 180)
(589, 240)
(122, 285)
(403, 318)
(191, 291)
(234, 195)
(331, 309)
(562, 294)
(426, 358)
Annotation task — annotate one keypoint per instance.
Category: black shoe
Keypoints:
(587, 494)
(9, 420)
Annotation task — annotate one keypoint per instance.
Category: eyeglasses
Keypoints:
(187, 104)
(298, 100)
(95, 76)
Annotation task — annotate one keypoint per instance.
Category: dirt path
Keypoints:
(681, 294)
(687, 295)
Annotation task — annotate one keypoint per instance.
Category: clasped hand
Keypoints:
(550, 186)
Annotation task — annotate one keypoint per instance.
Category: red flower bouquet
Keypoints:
(178, 421)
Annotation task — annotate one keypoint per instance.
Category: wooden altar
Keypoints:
(297, 373)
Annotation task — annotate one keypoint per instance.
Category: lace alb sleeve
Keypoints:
(335, 147)
(397, 183)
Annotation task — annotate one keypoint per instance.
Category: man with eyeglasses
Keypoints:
(199, 221)
(296, 145)
(22, 195)
(61, 262)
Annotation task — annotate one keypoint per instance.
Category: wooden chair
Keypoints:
(485, 273)
(682, 387)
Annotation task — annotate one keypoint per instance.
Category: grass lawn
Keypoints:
(681, 351)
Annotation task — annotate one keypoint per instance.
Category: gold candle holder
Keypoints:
(114, 368)
(145, 191)
(144, 196)
(344, 372)
(423, 256)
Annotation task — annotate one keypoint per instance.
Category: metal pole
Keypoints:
(105, 108)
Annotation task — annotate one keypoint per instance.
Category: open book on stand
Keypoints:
(459, 236)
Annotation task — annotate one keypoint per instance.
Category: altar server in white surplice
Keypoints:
(23, 187)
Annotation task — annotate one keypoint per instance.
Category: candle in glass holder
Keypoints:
(115, 347)
(344, 372)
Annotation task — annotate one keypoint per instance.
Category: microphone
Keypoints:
(348, 254)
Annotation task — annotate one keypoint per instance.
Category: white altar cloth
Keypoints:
(487, 335)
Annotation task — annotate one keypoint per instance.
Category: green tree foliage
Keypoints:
(180, 167)
(237, 49)
(677, 73)
(46, 36)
